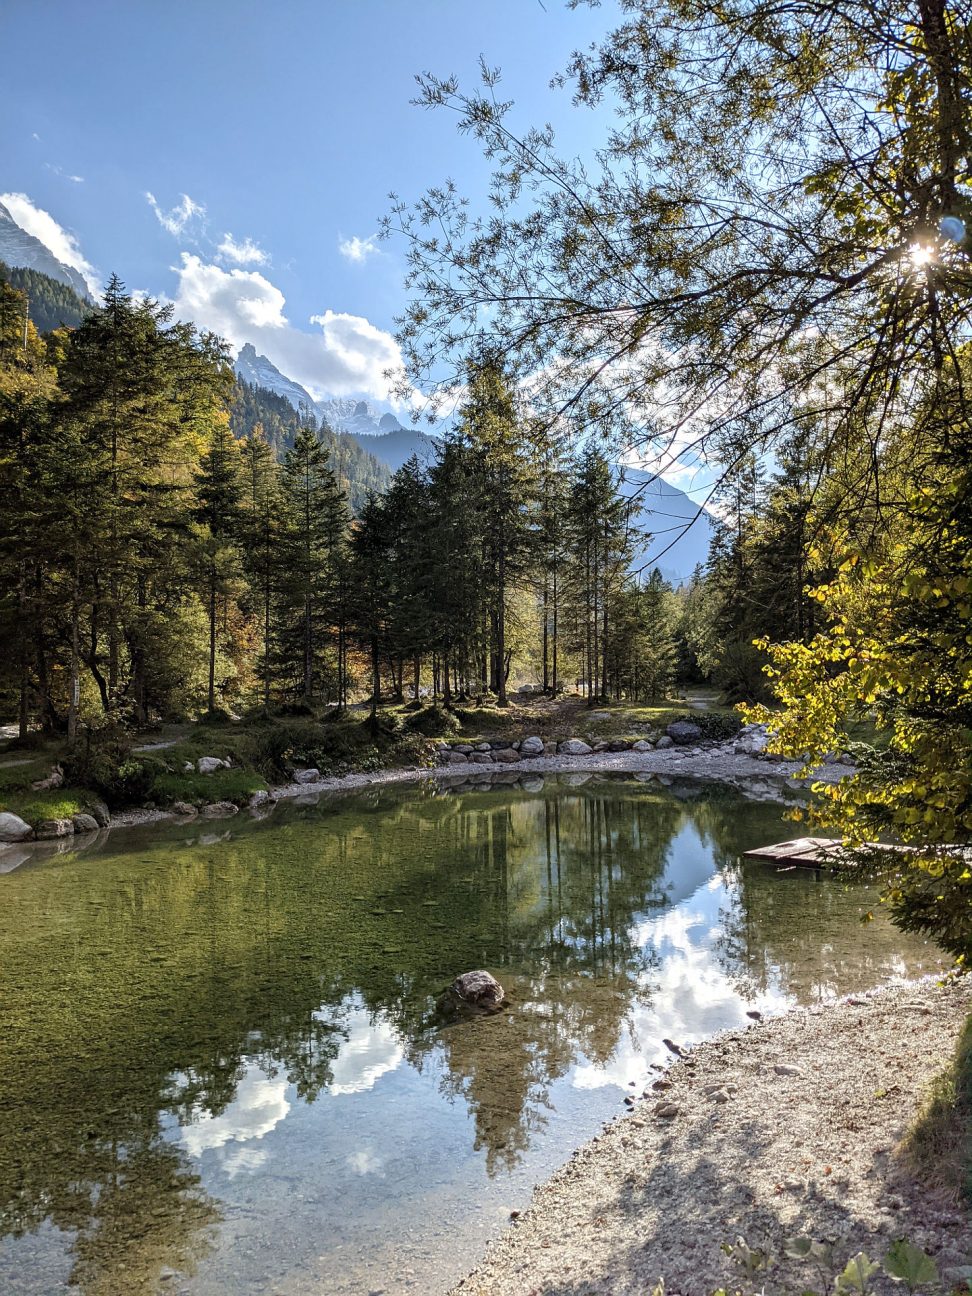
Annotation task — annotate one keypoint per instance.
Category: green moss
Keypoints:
(33, 807)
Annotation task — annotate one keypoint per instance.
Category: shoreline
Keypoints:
(714, 765)
(765, 778)
(788, 1128)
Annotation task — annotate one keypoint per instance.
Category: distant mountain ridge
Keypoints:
(377, 432)
(679, 530)
(18, 248)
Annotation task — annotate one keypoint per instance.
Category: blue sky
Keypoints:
(269, 136)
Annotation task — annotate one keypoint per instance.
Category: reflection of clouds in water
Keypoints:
(690, 995)
(369, 1050)
(259, 1105)
(365, 1162)
(242, 1160)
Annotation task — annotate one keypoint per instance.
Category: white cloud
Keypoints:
(259, 1106)
(59, 241)
(59, 171)
(346, 355)
(178, 218)
(243, 253)
(358, 249)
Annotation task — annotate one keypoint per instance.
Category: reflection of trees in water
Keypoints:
(801, 933)
(165, 975)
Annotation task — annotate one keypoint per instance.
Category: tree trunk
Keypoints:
(212, 640)
(501, 699)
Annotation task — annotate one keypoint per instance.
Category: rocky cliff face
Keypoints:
(18, 248)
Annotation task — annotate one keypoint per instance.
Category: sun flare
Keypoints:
(919, 256)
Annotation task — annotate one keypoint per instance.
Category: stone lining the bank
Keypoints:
(789, 1128)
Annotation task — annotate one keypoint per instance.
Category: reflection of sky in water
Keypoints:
(379, 1147)
(691, 995)
(369, 1050)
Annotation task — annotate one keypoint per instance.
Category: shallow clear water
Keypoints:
(220, 1053)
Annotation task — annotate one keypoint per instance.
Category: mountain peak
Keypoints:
(18, 248)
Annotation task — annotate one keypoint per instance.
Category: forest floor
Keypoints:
(801, 1126)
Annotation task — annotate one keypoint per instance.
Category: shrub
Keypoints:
(432, 722)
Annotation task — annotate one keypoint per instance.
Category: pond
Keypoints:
(223, 1068)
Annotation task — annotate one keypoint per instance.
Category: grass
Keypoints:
(33, 807)
(222, 785)
(939, 1144)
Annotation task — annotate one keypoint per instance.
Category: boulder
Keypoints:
(642, 745)
(683, 732)
(462, 748)
(619, 745)
(456, 758)
(481, 758)
(50, 829)
(259, 799)
(531, 746)
(85, 823)
(506, 755)
(752, 740)
(100, 813)
(13, 828)
(663, 742)
(209, 764)
(307, 775)
(574, 747)
(479, 990)
(188, 768)
(550, 748)
(54, 780)
(219, 810)
(602, 745)
(483, 747)
(500, 744)
(183, 808)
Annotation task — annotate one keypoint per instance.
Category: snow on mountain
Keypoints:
(679, 532)
(380, 433)
(258, 371)
(18, 248)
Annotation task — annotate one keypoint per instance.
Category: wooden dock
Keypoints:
(801, 852)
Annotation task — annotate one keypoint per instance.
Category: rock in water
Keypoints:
(478, 989)
(13, 828)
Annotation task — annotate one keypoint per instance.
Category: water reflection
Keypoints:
(224, 1057)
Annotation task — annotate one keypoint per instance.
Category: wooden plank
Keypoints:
(790, 850)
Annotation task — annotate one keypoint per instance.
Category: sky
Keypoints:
(235, 158)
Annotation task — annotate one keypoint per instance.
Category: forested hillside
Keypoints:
(52, 304)
(253, 409)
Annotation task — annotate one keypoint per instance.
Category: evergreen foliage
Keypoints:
(52, 304)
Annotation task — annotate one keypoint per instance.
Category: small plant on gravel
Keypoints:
(904, 1263)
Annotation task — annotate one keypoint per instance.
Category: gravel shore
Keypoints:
(788, 1128)
(704, 762)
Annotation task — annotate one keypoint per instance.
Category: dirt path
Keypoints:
(809, 1150)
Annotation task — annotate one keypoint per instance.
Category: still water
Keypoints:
(221, 1064)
